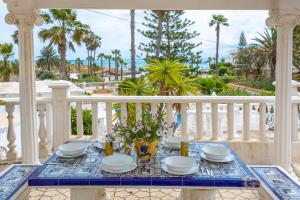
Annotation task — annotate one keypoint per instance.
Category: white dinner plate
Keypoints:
(117, 161)
(228, 158)
(167, 145)
(179, 163)
(72, 148)
(191, 171)
(60, 154)
(127, 169)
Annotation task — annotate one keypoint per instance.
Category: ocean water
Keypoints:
(139, 63)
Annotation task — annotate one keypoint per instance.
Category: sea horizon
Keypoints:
(139, 63)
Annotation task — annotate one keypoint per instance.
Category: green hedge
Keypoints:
(87, 121)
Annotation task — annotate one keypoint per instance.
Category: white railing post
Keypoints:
(214, 121)
(138, 111)
(153, 108)
(230, 121)
(262, 121)
(43, 149)
(123, 112)
(246, 120)
(95, 120)
(11, 135)
(108, 107)
(295, 134)
(49, 125)
(184, 119)
(61, 113)
(169, 116)
(79, 119)
(199, 124)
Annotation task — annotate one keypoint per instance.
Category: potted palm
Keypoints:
(145, 135)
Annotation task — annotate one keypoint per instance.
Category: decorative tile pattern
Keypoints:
(85, 170)
(14, 179)
(278, 182)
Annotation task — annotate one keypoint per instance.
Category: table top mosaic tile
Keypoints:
(85, 170)
(13, 179)
(284, 187)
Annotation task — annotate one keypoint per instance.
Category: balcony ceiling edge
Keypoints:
(159, 4)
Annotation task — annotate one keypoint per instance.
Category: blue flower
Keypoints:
(144, 149)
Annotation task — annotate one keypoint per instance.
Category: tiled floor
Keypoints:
(141, 194)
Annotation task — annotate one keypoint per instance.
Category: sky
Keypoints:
(113, 27)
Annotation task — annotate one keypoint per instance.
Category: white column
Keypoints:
(61, 113)
(24, 16)
(284, 25)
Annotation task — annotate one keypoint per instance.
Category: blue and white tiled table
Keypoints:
(13, 181)
(84, 172)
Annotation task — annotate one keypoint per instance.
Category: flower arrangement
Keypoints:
(144, 133)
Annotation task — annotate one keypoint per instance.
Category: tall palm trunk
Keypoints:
(102, 72)
(121, 72)
(79, 66)
(94, 63)
(217, 48)
(62, 52)
(132, 30)
(109, 69)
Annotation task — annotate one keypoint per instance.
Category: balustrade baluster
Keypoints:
(123, 112)
(169, 116)
(214, 121)
(138, 111)
(153, 108)
(184, 119)
(95, 120)
(230, 121)
(109, 117)
(11, 135)
(295, 134)
(43, 149)
(79, 119)
(262, 121)
(246, 121)
(199, 120)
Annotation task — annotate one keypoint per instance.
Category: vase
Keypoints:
(146, 150)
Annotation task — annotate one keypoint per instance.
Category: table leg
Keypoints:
(197, 194)
(88, 194)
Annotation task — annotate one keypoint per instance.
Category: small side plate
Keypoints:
(228, 158)
(191, 171)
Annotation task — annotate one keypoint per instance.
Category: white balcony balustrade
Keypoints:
(245, 123)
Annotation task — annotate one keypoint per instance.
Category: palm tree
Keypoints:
(218, 20)
(137, 87)
(209, 59)
(132, 50)
(116, 57)
(169, 75)
(161, 15)
(79, 62)
(92, 42)
(48, 60)
(63, 31)
(109, 58)
(101, 56)
(15, 37)
(7, 68)
(267, 44)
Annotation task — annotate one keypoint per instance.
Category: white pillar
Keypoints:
(61, 113)
(284, 25)
(24, 16)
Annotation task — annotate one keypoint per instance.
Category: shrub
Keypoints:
(209, 85)
(223, 70)
(228, 78)
(47, 75)
(87, 121)
(88, 78)
(234, 92)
